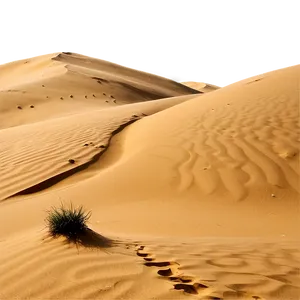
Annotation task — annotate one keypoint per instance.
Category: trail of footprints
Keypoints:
(170, 271)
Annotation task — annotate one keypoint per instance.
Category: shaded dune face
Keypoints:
(61, 84)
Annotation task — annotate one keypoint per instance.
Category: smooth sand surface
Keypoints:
(197, 191)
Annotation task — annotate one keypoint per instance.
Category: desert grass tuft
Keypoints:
(69, 222)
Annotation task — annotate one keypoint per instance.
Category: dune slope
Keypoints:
(234, 150)
(60, 84)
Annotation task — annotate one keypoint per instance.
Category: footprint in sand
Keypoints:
(183, 279)
(148, 258)
(170, 271)
(191, 288)
(158, 264)
(167, 272)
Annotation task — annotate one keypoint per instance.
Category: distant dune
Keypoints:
(61, 84)
(201, 86)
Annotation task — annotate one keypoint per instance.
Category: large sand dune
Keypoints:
(198, 191)
(63, 83)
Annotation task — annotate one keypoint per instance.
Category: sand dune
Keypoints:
(198, 192)
(32, 159)
(240, 128)
(201, 86)
(235, 149)
(61, 84)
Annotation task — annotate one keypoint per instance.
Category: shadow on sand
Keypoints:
(57, 178)
(91, 239)
(88, 239)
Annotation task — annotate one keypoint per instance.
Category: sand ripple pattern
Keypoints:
(53, 269)
(239, 139)
(37, 267)
(33, 153)
(227, 269)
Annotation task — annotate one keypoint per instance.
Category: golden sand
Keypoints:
(197, 185)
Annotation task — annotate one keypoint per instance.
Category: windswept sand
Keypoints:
(198, 190)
